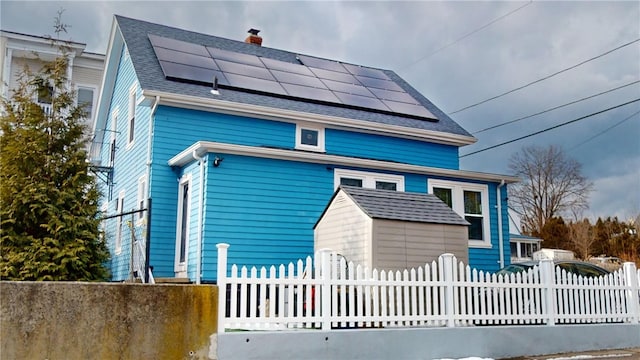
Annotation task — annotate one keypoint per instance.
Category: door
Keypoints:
(182, 227)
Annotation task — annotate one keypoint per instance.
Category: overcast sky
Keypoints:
(456, 53)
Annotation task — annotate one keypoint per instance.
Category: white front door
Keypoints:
(182, 226)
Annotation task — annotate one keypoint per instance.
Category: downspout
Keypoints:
(149, 162)
(500, 235)
(200, 216)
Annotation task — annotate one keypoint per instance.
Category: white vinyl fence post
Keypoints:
(222, 285)
(325, 288)
(633, 283)
(547, 276)
(447, 267)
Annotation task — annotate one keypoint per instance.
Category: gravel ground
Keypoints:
(623, 354)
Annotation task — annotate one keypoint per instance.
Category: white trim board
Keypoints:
(203, 147)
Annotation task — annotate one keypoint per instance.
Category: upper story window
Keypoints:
(114, 132)
(86, 99)
(470, 201)
(368, 180)
(131, 115)
(309, 138)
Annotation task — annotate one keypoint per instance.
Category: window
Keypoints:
(132, 115)
(368, 180)
(114, 132)
(45, 94)
(469, 201)
(119, 222)
(309, 138)
(142, 196)
(182, 228)
(85, 100)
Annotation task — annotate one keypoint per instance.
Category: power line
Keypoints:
(550, 128)
(557, 107)
(546, 77)
(605, 130)
(466, 36)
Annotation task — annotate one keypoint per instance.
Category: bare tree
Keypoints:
(552, 185)
(581, 238)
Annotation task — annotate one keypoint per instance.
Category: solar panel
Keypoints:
(379, 84)
(192, 74)
(272, 64)
(311, 93)
(409, 109)
(249, 83)
(348, 88)
(246, 70)
(361, 101)
(365, 71)
(167, 43)
(297, 79)
(185, 58)
(236, 57)
(321, 63)
(334, 75)
(316, 80)
(393, 96)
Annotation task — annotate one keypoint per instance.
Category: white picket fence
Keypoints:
(327, 293)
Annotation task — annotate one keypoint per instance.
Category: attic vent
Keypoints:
(340, 199)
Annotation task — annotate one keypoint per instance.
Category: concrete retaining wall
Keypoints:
(57, 320)
(431, 343)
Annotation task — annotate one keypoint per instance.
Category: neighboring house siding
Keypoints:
(128, 162)
(86, 76)
(348, 143)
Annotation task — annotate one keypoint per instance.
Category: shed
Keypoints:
(390, 230)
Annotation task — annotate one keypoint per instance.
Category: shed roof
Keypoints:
(402, 206)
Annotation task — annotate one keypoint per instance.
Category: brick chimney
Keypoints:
(253, 37)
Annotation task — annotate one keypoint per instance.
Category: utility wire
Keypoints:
(555, 108)
(466, 36)
(550, 128)
(546, 77)
(605, 130)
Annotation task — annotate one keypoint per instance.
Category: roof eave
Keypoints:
(202, 147)
(270, 113)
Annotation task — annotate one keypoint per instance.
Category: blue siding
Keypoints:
(347, 143)
(129, 165)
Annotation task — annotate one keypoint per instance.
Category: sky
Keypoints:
(455, 53)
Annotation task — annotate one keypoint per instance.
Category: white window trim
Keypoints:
(142, 198)
(94, 99)
(457, 200)
(119, 222)
(301, 146)
(368, 178)
(114, 132)
(185, 179)
(131, 114)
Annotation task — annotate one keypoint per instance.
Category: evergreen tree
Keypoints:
(49, 226)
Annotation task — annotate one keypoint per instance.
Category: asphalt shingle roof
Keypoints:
(404, 206)
(151, 77)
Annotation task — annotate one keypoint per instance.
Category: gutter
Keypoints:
(500, 234)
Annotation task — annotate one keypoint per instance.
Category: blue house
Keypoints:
(239, 143)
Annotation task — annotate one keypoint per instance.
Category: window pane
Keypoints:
(351, 182)
(85, 101)
(383, 185)
(444, 195)
(309, 137)
(472, 202)
(475, 229)
(514, 249)
(45, 94)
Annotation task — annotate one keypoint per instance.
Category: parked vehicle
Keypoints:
(580, 268)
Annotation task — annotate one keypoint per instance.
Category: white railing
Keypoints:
(326, 292)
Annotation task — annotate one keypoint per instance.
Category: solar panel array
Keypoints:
(314, 79)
